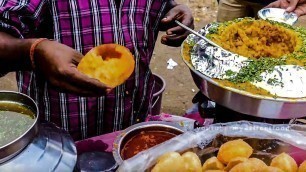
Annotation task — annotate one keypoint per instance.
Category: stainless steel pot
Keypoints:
(137, 128)
(11, 149)
(245, 102)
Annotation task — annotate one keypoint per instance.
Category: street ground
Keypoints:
(180, 87)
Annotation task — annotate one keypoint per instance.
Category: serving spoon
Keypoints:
(197, 34)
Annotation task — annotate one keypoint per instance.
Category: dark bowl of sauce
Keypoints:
(143, 136)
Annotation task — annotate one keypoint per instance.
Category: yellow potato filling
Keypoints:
(257, 38)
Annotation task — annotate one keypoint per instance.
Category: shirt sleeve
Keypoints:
(21, 18)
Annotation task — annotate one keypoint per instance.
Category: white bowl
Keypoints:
(278, 14)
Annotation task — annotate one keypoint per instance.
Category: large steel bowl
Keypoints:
(11, 149)
(137, 128)
(242, 101)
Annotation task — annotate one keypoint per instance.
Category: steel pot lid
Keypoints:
(52, 149)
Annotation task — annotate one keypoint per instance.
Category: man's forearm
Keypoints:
(14, 53)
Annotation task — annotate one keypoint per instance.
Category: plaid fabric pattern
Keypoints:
(83, 24)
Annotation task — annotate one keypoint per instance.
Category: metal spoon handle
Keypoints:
(196, 33)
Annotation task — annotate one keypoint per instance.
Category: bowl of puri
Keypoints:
(241, 146)
(233, 156)
(142, 136)
(258, 68)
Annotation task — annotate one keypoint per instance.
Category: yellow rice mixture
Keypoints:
(257, 38)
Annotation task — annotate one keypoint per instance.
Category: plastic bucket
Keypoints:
(159, 88)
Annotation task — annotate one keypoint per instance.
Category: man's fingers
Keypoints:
(63, 86)
(77, 57)
(292, 5)
(81, 80)
(275, 4)
(167, 19)
(170, 17)
(186, 20)
(174, 40)
(176, 30)
(284, 4)
(84, 82)
(278, 4)
(300, 10)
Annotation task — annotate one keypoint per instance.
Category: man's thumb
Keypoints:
(168, 17)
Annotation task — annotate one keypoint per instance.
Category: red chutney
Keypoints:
(143, 141)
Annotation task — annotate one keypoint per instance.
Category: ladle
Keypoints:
(197, 34)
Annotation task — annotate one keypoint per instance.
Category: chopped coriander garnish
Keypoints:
(230, 73)
(274, 82)
(253, 70)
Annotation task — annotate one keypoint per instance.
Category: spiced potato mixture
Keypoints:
(261, 57)
(257, 39)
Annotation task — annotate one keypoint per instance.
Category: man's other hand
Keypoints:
(296, 6)
(175, 34)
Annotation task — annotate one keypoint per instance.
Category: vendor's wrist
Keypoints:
(24, 46)
(36, 45)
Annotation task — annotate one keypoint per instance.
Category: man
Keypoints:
(296, 6)
(48, 67)
(232, 9)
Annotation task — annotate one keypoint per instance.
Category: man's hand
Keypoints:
(296, 6)
(58, 63)
(175, 35)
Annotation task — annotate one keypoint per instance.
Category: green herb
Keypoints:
(13, 125)
(253, 70)
(274, 82)
(213, 30)
(271, 81)
(230, 73)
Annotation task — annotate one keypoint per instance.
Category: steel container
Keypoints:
(131, 131)
(242, 101)
(11, 149)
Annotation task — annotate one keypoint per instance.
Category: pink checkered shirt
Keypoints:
(83, 24)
